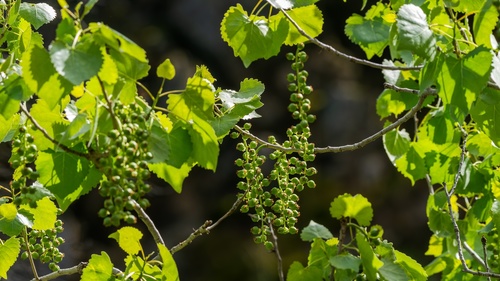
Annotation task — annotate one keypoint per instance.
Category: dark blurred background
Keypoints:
(188, 32)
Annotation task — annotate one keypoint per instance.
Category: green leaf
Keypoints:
(439, 128)
(412, 268)
(169, 268)
(88, 6)
(461, 80)
(13, 92)
(41, 77)
(8, 211)
(79, 126)
(484, 23)
(253, 37)
(194, 107)
(486, 113)
(310, 20)
(315, 230)
(495, 213)
(414, 33)
(495, 73)
(16, 226)
(440, 223)
(61, 172)
(9, 252)
(412, 164)
(128, 239)
(345, 261)
(356, 207)
(320, 253)
(8, 127)
(118, 42)
(396, 144)
(297, 272)
(442, 161)
(76, 63)
(371, 32)
(49, 119)
(166, 70)
(180, 147)
(91, 180)
(44, 215)
(371, 264)
(238, 105)
(281, 4)
(139, 269)
(37, 14)
(172, 175)
(99, 268)
(392, 271)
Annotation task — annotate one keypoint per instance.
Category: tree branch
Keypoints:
(397, 123)
(461, 245)
(47, 135)
(345, 56)
(206, 227)
(357, 145)
(277, 252)
(148, 222)
(77, 269)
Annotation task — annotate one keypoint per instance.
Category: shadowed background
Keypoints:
(187, 32)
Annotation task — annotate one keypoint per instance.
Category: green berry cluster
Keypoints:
(493, 248)
(43, 245)
(273, 198)
(24, 153)
(125, 166)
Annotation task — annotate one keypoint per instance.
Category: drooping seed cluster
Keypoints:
(125, 166)
(272, 200)
(24, 153)
(43, 245)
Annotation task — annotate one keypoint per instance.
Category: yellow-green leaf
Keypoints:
(169, 269)
(8, 211)
(44, 215)
(9, 251)
(128, 239)
(166, 70)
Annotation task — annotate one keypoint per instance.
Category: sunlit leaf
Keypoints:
(253, 37)
(356, 207)
(166, 70)
(169, 268)
(37, 14)
(9, 251)
(414, 33)
(371, 264)
(128, 239)
(44, 215)
(76, 63)
(99, 268)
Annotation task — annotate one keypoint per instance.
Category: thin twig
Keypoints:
(473, 253)
(461, 245)
(30, 256)
(397, 123)
(345, 56)
(77, 269)
(206, 227)
(148, 222)
(47, 135)
(349, 147)
(485, 253)
(198, 232)
(277, 252)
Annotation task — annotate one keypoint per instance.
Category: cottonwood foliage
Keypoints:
(75, 121)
